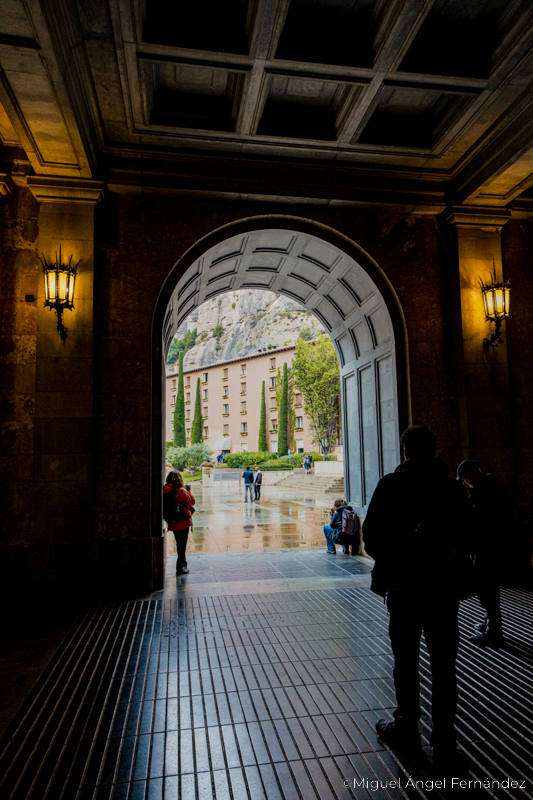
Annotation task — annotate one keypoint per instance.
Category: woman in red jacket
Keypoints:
(185, 501)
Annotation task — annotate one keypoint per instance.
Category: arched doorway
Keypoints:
(338, 282)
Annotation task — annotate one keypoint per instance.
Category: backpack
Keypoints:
(172, 512)
(350, 522)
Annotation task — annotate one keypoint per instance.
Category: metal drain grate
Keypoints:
(261, 696)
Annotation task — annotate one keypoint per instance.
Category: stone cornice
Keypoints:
(5, 185)
(65, 190)
(487, 219)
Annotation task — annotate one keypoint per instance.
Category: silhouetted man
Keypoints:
(492, 510)
(413, 528)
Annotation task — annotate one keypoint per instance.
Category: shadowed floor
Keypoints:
(219, 689)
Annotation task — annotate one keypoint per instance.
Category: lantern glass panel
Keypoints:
(488, 299)
(71, 289)
(50, 286)
(63, 284)
(507, 300)
(498, 302)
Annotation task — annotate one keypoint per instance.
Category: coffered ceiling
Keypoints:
(412, 104)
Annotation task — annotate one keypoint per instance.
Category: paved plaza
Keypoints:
(282, 519)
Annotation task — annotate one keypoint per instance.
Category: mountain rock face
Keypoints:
(252, 320)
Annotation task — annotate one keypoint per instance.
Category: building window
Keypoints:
(225, 409)
(274, 446)
(272, 363)
(299, 445)
(206, 394)
(225, 391)
(297, 399)
(299, 423)
(188, 398)
(204, 377)
(273, 403)
(226, 430)
(273, 424)
(188, 433)
(244, 427)
(225, 374)
(243, 408)
(205, 412)
(243, 388)
(244, 447)
(188, 384)
(187, 418)
(206, 432)
(273, 383)
(173, 403)
(173, 384)
(243, 369)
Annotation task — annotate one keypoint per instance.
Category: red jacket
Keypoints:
(187, 501)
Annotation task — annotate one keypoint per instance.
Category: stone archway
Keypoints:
(337, 281)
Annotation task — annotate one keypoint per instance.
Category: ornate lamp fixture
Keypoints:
(59, 282)
(497, 303)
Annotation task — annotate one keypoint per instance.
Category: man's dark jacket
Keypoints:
(415, 527)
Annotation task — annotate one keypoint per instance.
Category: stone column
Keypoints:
(62, 547)
(18, 314)
(484, 392)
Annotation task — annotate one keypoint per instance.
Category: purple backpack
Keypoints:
(350, 521)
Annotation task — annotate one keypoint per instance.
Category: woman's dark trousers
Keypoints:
(181, 545)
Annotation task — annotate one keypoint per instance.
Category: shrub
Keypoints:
(238, 460)
(181, 457)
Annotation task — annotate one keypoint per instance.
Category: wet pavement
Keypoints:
(283, 519)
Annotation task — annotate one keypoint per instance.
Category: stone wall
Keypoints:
(137, 241)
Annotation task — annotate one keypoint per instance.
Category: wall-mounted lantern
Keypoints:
(59, 282)
(497, 304)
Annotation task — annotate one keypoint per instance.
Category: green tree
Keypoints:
(179, 409)
(181, 345)
(196, 432)
(262, 443)
(283, 439)
(317, 377)
(307, 334)
(218, 331)
(291, 413)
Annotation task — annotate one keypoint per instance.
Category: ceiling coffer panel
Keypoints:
(194, 96)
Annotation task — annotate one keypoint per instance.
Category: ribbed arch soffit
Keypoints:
(303, 267)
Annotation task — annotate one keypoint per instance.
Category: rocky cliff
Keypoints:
(251, 321)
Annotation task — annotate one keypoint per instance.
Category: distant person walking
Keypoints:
(258, 480)
(492, 518)
(178, 508)
(415, 530)
(248, 476)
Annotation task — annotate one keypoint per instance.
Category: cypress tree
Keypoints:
(283, 418)
(262, 444)
(196, 432)
(179, 409)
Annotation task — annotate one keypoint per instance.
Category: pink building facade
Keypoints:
(230, 392)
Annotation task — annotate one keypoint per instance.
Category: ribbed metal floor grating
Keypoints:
(256, 696)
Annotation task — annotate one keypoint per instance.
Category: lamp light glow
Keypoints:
(59, 284)
(497, 305)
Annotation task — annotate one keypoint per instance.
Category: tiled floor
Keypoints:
(217, 689)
